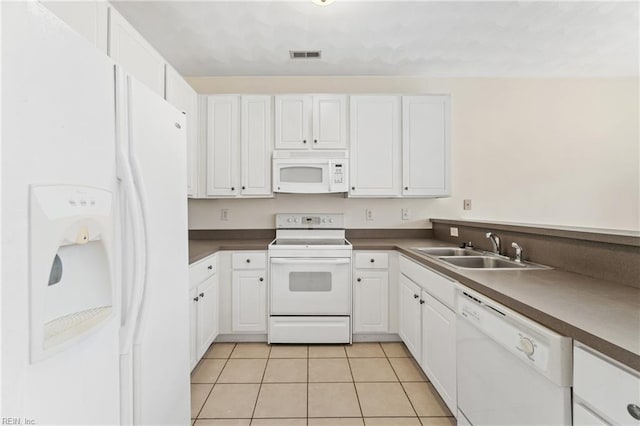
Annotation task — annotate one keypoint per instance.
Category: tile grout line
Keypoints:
(353, 381)
(307, 419)
(214, 383)
(402, 387)
(255, 404)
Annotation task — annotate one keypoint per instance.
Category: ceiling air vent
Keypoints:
(304, 54)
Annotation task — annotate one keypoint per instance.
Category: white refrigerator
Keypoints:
(94, 290)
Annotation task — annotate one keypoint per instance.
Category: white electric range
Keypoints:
(310, 280)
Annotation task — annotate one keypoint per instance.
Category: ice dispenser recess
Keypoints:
(71, 282)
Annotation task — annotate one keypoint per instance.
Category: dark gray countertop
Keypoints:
(598, 313)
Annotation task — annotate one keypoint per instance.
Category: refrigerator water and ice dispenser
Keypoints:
(71, 263)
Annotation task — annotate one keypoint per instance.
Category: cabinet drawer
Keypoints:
(606, 387)
(249, 260)
(372, 260)
(202, 269)
(439, 286)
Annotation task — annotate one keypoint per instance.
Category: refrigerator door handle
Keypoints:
(138, 227)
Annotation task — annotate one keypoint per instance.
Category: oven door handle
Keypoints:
(324, 261)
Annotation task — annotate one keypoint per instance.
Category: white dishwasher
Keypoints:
(511, 370)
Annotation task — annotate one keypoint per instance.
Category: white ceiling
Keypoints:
(440, 39)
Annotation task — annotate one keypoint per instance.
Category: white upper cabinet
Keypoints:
(129, 49)
(223, 146)
(375, 146)
(329, 122)
(88, 18)
(182, 96)
(239, 144)
(311, 122)
(257, 145)
(426, 146)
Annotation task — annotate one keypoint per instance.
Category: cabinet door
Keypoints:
(193, 327)
(410, 321)
(375, 146)
(439, 348)
(222, 146)
(582, 416)
(257, 145)
(182, 96)
(207, 314)
(329, 122)
(249, 301)
(426, 146)
(129, 49)
(371, 301)
(87, 18)
(293, 122)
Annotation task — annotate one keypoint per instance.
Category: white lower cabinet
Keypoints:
(428, 325)
(439, 347)
(371, 301)
(207, 314)
(249, 292)
(203, 307)
(371, 292)
(604, 391)
(410, 323)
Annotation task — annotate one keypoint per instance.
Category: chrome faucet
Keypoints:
(518, 248)
(495, 240)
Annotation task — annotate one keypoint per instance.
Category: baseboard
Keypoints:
(376, 337)
(241, 337)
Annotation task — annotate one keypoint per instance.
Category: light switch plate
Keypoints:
(466, 205)
(453, 231)
(224, 214)
(406, 214)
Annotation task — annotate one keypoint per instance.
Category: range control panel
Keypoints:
(310, 221)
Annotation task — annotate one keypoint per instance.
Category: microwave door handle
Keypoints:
(283, 261)
(330, 176)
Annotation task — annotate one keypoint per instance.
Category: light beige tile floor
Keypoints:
(256, 384)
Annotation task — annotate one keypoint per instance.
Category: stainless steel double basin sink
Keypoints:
(465, 258)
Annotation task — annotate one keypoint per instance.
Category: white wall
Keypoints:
(543, 151)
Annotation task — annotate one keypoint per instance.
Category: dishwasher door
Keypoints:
(496, 386)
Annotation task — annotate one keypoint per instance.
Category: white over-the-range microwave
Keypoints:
(310, 172)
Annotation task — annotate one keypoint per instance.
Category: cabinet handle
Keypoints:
(634, 411)
(248, 260)
(202, 295)
(304, 141)
(233, 188)
(415, 296)
(359, 279)
(210, 267)
(421, 302)
(315, 141)
(372, 260)
(406, 188)
(261, 279)
(195, 299)
(243, 187)
(353, 188)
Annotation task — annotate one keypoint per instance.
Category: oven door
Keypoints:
(310, 286)
(309, 177)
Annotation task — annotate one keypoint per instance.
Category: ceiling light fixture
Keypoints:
(322, 2)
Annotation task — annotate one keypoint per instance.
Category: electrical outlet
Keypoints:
(368, 213)
(224, 214)
(406, 214)
(453, 231)
(466, 205)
